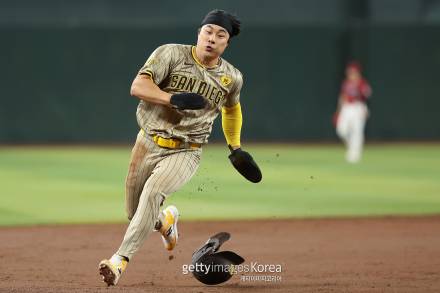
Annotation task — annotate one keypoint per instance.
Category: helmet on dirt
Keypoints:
(213, 267)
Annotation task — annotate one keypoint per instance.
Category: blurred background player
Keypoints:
(352, 111)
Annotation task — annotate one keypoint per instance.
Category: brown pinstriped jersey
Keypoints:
(175, 69)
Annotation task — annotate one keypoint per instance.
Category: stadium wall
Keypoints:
(65, 76)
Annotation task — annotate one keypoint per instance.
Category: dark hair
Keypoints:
(224, 19)
(356, 65)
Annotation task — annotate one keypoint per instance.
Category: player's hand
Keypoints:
(187, 101)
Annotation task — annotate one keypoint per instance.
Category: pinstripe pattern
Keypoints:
(154, 173)
(189, 125)
(138, 172)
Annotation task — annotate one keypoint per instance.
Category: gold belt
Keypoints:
(173, 143)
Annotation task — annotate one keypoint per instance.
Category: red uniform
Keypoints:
(353, 111)
(354, 91)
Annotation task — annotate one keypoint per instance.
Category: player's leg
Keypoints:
(357, 134)
(144, 156)
(350, 120)
(342, 125)
(141, 165)
(170, 174)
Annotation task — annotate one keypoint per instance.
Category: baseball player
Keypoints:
(352, 111)
(182, 89)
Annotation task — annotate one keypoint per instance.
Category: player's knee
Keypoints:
(130, 214)
(154, 199)
(341, 131)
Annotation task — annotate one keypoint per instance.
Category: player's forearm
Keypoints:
(145, 89)
(231, 124)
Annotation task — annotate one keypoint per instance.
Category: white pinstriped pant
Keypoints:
(153, 174)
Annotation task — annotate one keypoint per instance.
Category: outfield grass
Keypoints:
(43, 185)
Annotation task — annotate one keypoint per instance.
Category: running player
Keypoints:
(182, 89)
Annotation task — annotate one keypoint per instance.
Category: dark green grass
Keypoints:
(86, 184)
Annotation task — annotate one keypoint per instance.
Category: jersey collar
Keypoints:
(193, 53)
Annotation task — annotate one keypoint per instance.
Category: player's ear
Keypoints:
(198, 34)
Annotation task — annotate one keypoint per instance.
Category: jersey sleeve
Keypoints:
(366, 89)
(160, 63)
(233, 97)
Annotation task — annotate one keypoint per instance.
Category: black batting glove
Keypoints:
(245, 165)
(188, 101)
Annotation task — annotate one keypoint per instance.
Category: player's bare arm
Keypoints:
(145, 89)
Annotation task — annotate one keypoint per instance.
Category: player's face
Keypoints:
(212, 40)
(353, 74)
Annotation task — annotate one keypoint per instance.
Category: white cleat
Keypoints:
(111, 270)
(168, 228)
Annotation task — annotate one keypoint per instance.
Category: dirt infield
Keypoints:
(336, 255)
